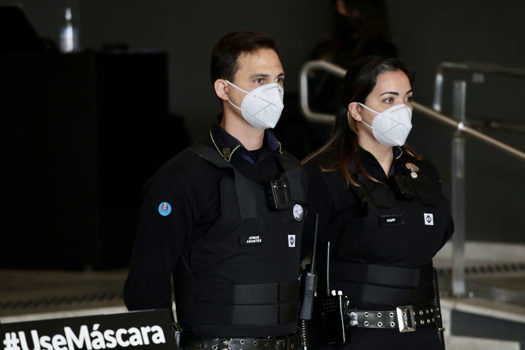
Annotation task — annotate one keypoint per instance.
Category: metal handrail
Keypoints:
(475, 67)
(303, 88)
(459, 126)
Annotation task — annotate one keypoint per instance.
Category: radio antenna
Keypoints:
(328, 268)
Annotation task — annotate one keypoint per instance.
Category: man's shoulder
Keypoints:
(188, 161)
(186, 167)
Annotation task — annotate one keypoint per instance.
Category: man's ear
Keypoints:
(221, 89)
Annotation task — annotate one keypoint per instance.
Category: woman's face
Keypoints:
(392, 88)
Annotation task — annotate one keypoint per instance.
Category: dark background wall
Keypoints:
(425, 32)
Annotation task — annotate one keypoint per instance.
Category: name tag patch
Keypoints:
(251, 239)
(429, 219)
(391, 220)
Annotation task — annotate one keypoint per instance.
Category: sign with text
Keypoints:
(130, 331)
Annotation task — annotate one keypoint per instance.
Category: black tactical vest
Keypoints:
(242, 275)
(412, 215)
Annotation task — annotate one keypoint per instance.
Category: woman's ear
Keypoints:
(354, 111)
(221, 89)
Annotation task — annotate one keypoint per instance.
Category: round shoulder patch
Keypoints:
(164, 209)
(298, 212)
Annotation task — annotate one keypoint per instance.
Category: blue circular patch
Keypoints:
(164, 209)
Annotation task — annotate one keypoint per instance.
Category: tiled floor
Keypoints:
(42, 291)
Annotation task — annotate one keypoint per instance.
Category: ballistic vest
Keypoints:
(411, 214)
(241, 278)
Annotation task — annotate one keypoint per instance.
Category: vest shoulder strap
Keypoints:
(207, 153)
(369, 189)
(295, 175)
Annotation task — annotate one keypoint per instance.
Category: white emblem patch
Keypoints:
(291, 241)
(298, 212)
(429, 219)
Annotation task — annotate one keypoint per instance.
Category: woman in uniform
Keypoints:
(382, 217)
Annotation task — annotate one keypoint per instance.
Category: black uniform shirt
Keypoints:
(181, 203)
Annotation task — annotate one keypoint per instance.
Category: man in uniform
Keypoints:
(224, 217)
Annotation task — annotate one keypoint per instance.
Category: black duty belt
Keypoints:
(404, 318)
(189, 341)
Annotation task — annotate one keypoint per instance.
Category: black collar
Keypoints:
(228, 146)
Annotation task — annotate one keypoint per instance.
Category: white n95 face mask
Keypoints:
(262, 106)
(392, 126)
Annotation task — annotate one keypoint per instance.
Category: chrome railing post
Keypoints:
(303, 88)
(458, 191)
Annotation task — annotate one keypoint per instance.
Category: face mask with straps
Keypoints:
(262, 106)
(392, 126)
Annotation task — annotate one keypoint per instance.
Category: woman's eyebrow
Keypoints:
(395, 93)
(390, 92)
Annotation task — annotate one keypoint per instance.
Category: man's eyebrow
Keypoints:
(259, 75)
(265, 75)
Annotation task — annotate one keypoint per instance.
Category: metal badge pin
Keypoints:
(414, 169)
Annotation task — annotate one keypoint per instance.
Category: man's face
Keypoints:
(255, 69)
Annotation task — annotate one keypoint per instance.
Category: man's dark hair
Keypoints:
(230, 47)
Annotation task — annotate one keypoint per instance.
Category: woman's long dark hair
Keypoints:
(357, 84)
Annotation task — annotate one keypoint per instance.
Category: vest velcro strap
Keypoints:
(382, 275)
(373, 294)
(248, 294)
(244, 315)
(383, 295)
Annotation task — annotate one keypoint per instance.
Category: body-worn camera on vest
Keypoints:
(278, 191)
